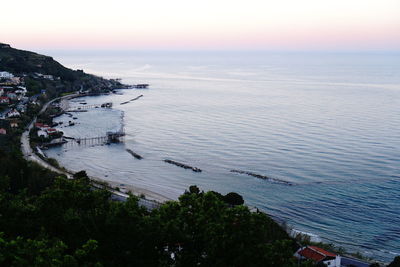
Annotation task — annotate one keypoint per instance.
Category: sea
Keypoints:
(326, 122)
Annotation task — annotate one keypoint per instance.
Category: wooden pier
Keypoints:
(110, 137)
(86, 107)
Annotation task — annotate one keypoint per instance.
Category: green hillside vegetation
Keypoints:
(20, 61)
(26, 63)
(52, 221)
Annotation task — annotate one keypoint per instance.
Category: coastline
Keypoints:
(124, 189)
(147, 198)
(135, 190)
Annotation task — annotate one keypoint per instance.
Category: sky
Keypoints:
(202, 24)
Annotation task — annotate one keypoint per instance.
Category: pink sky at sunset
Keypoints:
(177, 24)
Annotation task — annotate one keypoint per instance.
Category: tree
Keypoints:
(28, 252)
(201, 230)
(193, 189)
(80, 175)
(233, 199)
(395, 262)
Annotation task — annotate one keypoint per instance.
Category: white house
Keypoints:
(6, 75)
(4, 100)
(48, 77)
(23, 88)
(20, 92)
(13, 113)
(318, 255)
(42, 133)
(12, 96)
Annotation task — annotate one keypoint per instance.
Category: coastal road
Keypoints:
(26, 148)
(29, 155)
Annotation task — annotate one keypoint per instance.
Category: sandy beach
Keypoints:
(137, 191)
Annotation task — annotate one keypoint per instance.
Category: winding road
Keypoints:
(29, 155)
(26, 148)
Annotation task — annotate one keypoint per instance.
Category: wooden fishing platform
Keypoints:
(110, 137)
(86, 107)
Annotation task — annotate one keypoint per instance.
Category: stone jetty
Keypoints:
(264, 177)
(137, 156)
(182, 165)
(133, 99)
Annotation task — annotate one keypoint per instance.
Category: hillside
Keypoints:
(27, 64)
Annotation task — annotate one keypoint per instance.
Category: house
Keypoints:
(21, 108)
(42, 133)
(51, 131)
(22, 89)
(20, 92)
(13, 113)
(12, 96)
(318, 255)
(4, 100)
(16, 80)
(48, 77)
(3, 131)
(6, 75)
(41, 126)
(1, 91)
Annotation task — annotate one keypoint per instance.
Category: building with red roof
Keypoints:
(318, 255)
(4, 100)
(41, 125)
(51, 131)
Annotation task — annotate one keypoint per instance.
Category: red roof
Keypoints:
(4, 97)
(315, 253)
(41, 125)
(51, 130)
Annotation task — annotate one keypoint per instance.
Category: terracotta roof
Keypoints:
(316, 254)
(327, 253)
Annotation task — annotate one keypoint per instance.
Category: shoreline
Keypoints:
(30, 155)
(148, 194)
(124, 188)
(135, 190)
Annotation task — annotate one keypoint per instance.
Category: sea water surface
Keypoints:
(327, 122)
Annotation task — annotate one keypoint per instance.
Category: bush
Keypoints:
(233, 199)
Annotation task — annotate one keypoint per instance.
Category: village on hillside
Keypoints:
(15, 99)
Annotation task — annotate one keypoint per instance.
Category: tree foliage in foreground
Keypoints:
(68, 223)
